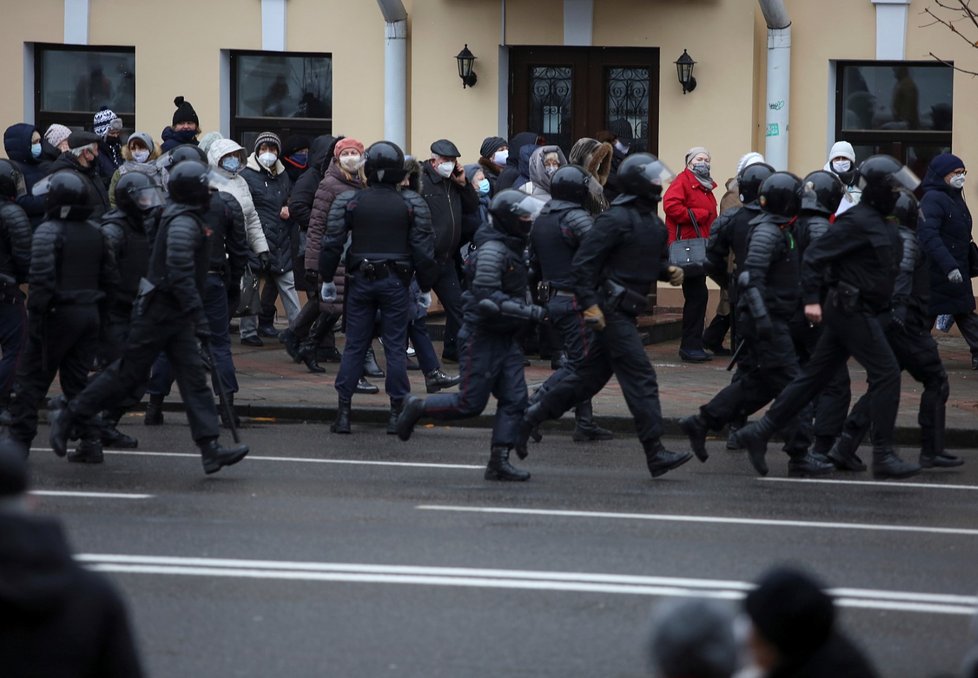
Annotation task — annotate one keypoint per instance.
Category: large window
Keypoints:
(902, 108)
(282, 92)
(71, 83)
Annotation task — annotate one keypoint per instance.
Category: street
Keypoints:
(326, 555)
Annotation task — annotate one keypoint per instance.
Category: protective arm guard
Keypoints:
(589, 259)
(903, 287)
(575, 224)
(183, 237)
(45, 250)
(334, 239)
(18, 228)
(752, 297)
(421, 240)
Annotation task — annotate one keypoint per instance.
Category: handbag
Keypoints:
(972, 260)
(250, 303)
(689, 251)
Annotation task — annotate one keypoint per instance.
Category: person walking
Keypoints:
(15, 261)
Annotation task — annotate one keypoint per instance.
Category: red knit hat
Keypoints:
(345, 143)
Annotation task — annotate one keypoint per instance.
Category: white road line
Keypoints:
(92, 495)
(717, 520)
(876, 483)
(578, 582)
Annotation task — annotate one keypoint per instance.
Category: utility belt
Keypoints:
(546, 291)
(378, 269)
(620, 298)
(848, 299)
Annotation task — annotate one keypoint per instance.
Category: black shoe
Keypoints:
(436, 380)
(754, 437)
(268, 331)
(809, 465)
(370, 366)
(214, 457)
(309, 358)
(532, 418)
(887, 465)
(411, 411)
(364, 387)
(113, 438)
(342, 423)
(695, 429)
(328, 354)
(396, 407)
(291, 343)
(252, 341)
(499, 467)
(717, 349)
(942, 460)
(60, 419)
(154, 411)
(591, 433)
(694, 356)
(87, 452)
(843, 454)
(660, 460)
(732, 443)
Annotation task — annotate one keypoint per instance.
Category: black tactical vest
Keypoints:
(552, 250)
(79, 260)
(636, 261)
(132, 259)
(379, 220)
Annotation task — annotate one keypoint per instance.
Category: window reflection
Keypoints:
(280, 86)
(897, 97)
(82, 81)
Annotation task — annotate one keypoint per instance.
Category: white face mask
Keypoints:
(445, 169)
(621, 147)
(958, 181)
(140, 156)
(351, 163)
(841, 165)
(268, 159)
(500, 157)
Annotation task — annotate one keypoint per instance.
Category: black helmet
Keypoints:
(822, 192)
(513, 211)
(780, 196)
(643, 175)
(136, 194)
(181, 153)
(383, 162)
(906, 210)
(67, 196)
(879, 177)
(11, 181)
(570, 183)
(189, 184)
(750, 179)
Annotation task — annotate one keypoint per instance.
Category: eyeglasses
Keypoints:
(960, 172)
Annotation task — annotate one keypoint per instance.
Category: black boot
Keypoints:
(412, 410)
(695, 429)
(61, 421)
(754, 437)
(499, 467)
(365, 387)
(436, 380)
(342, 423)
(307, 354)
(370, 366)
(822, 445)
(532, 418)
(660, 460)
(214, 457)
(291, 343)
(397, 404)
(805, 464)
(843, 454)
(224, 416)
(732, 427)
(932, 453)
(88, 451)
(113, 438)
(328, 354)
(887, 465)
(154, 411)
(584, 427)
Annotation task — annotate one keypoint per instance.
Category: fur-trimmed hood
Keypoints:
(594, 156)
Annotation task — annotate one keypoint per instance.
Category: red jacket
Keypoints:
(686, 192)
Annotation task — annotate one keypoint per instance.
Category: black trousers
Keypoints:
(694, 312)
(831, 405)
(449, 292)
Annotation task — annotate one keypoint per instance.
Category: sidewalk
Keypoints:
(273, 387)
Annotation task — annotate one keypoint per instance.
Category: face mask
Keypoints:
(140, 156)
(550, 170)
(351, 163)
(840, 166)
(958, 180)
(300, 158)
(445, 169)
(484, 187)
(36, 150)
(500, 157)
(267, 159)
(231, 164)
(701, 169)
(185, 135)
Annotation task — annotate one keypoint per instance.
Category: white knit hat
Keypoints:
(747, 160)
(56, 133)
(842, 149)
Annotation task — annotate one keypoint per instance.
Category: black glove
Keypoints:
(898, 319)
(265, 261)
(312, 279)
(764, 327)
(234, 297)
(537, 313)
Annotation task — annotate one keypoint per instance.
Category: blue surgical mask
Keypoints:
(231, 164)
(300, 158)
(484, 187)
(36, 150)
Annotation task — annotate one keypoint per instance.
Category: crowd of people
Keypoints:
(529, 251)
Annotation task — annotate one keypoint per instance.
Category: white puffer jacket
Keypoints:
(234, 184)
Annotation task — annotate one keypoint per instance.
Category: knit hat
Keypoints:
(145, 138)
(345, 143)
(293, 143)
(945, 163)
(842, 149)
(622, 129)
(105, 121)
(747, 160)
(490, 145)
(13, 468)
(269, 138)
(185, 112)
(695, 150)
(791, 611)
(56, 134)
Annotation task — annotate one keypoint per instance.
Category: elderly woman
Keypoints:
(691, 208)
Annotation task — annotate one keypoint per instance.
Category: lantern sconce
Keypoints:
(465, 60)
(684, 70)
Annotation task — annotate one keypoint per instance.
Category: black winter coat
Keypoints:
(15, 242)
(448, 202)
(98, 196)
(17, 144)
(270, 194)
(944, 232)
(507, 178)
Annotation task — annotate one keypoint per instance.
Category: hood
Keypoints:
(594, 156)
(17, 142)
(320, 151)
(524, 159)
(933, 182)
(536, 172)
(517, 143)
(218, 150)
(258, 167)
(36, 569)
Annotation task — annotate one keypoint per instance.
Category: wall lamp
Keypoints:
(684, 70)
(465, 60)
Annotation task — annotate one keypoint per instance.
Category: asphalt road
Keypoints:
(325, 555)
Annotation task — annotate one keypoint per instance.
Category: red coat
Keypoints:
(686, 192)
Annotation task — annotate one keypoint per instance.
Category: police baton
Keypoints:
(736, 354)
(221, 390)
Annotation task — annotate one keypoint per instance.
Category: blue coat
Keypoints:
(944, 232)
(17, 144)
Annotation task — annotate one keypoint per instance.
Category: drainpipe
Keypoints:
(778, 82)
(395, 71)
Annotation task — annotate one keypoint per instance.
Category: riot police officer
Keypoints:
(861, 255)
(391, 241)
(15, 260)
(66, 297)
(614, 270)
(168, 316)
(769, 292)
(490, 357)
(907, 328)
(557, 233)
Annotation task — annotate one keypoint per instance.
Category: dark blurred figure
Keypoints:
(692, 638)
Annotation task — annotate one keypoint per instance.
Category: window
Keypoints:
(282, 92)
(902, 108)
(71, 83)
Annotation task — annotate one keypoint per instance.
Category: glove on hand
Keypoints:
(265, 260)
(955, 276)
(676, 276)
(594, 316)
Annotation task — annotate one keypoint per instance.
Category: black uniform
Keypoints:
(15, 261)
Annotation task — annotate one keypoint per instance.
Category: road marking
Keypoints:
(92, 495)
(718, 520)
(577, 582)
(876, 483)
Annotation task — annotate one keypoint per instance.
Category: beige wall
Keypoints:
(33, 22)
